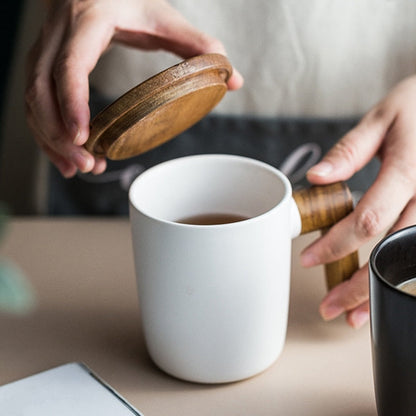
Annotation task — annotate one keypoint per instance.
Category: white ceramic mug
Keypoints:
(213, 298)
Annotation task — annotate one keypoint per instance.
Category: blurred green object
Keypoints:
(4, 215)
(16, 294)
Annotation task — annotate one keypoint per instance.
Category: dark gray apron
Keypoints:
(292, 145)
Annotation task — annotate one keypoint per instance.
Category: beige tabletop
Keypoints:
(81, 272)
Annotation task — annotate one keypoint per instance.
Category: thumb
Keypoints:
(182, 38)
(166, 28)
(353, 151)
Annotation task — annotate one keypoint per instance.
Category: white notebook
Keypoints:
(68, 390)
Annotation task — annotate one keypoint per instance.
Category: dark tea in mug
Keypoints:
(212, 219)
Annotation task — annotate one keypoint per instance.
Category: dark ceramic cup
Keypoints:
(393, 323)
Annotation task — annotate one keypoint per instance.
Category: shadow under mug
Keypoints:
(393, 323)
(214, 299)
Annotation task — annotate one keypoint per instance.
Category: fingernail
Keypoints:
(358, 319)
(321, 169)
(75, 133)
(67, 170)
(77, 137)
(309, 260)
(83, 163)
(330, 311)
(67, 174)
(236, 81)
(237, 73)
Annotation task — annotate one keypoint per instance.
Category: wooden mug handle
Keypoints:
(320, 207)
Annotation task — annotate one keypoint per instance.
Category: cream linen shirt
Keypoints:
(308, 58)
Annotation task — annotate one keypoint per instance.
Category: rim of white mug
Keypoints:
(254, 162)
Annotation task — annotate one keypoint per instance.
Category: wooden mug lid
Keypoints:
(160, 108)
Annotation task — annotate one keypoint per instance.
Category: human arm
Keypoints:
(387, 131)
(73, 37)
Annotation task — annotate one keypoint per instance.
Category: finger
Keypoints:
(40, 105)
(353, 151)
(165, 28)
(346, 296)
(43, 111)
(65, 167)
(359, 316)
(100, 166)
(186, 41)
(377, 210)
(236, 80)
(159, 25)
(84, 42)
(51, 137)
